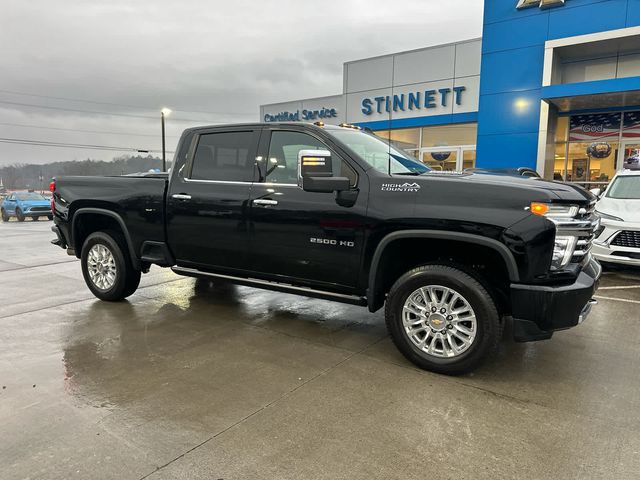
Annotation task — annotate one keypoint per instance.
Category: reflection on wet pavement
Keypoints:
(193, 379)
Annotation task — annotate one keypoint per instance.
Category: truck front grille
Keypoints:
(627, 238)
(583, 247)
(584, 227)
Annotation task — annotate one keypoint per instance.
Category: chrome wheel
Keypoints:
(101, 267)
(439, 321)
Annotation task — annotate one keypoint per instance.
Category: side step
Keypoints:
(275, 286)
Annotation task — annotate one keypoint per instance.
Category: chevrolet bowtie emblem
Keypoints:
(539, 3)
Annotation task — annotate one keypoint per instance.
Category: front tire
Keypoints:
(5, 216)
(19, 215)
(442, 319)
(107, 268)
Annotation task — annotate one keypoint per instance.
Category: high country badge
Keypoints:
(400, 187)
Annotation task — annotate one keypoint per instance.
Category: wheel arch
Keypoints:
(376, 285)
(78, 238)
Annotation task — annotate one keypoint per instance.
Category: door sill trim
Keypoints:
(275, 286)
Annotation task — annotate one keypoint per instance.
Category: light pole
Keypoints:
(164, 113)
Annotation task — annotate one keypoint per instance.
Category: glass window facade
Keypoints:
(450, 135)
(591, 148)
(443, 148)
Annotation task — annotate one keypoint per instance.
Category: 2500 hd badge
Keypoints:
(328, 241)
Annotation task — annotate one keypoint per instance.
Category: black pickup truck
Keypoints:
(336, 213)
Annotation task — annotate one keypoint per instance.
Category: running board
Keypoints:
(278, 287)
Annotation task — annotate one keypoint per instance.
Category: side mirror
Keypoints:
(316, 173)
(597, 192)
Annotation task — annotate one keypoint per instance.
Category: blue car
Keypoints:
(25, 204)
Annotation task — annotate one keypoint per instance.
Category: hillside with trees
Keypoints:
(22, 176)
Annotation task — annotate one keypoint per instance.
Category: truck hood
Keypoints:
(538, 188)
(627, 210)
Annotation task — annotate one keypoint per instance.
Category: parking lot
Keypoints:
(189, 380)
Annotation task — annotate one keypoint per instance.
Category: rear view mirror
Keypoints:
(315, 163)
(316, 172)
(597, 192)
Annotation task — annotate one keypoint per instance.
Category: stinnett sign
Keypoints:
(419, 100)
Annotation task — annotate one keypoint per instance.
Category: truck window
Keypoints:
(284, 148)
(223, 157)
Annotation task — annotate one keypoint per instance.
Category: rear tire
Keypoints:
(5, 216)
(107, 267)
(456, 337)
(19, 215)
(50, 217)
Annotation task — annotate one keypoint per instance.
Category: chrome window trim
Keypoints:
(289, 185)
(231, 182)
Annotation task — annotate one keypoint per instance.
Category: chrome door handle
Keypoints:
(265, 202)
(180, 196)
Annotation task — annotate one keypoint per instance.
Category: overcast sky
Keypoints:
(221, 57)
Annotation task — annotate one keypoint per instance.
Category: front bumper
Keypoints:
(604, 249)
(38, 213)
(538, 311)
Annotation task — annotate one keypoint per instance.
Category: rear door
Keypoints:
(301, 235)
(208, 200)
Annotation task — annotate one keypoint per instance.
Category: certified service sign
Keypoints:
(539, 3)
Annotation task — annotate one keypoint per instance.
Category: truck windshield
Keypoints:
(625, 188)
(379, 154)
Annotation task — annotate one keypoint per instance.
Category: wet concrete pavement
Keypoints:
(189, 380)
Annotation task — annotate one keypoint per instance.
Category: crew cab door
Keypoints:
(208, 200)
(301, 236)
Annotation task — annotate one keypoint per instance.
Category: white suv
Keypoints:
(618, 238)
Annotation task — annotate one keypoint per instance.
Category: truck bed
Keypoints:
(138, 199)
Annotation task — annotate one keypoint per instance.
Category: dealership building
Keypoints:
(553, 85)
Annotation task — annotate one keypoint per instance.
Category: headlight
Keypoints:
(564, 245)
(605, 216)
(554, 211)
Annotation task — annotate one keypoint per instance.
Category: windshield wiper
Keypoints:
(414, 174)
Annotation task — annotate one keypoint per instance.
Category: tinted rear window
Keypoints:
(224, 157)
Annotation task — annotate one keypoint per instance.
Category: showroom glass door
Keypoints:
(468, 157)
(441, 159)
(630, 155)
(449, 159)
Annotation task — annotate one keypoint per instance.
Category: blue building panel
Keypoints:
(424, 121)
(512, 70)
(519, 33)
(501, 11)
(507, 151)
(584, 17)
(633, 14)
(512, 112)
(592, 88)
